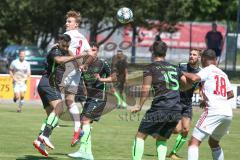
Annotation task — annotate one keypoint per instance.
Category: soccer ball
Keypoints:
(124, 15)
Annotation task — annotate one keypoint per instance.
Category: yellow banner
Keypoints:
(6, 88)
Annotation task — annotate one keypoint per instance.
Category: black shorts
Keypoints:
(46, 92)
(187, 111)
(93, 109)
(159, 123)
(80, 96)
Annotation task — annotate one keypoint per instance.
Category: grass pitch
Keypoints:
(112, 136)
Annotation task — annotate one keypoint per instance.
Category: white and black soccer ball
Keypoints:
(124, 15)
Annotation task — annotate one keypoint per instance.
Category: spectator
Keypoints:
(214, 40)
(120, 67)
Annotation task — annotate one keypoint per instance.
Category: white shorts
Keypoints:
(71, 79)
(19, 87)
(215, 126)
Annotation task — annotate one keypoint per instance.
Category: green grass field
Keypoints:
(111, 137)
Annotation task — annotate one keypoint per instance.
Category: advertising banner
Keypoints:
(186, 33)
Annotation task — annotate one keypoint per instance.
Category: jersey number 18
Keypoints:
(220, 86)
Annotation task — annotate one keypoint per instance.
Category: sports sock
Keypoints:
(20, 104)
(119, 100)
(217, 153)
(137, 149)
(192, 153)
(124, 104)
(52, 121)
(161, 149)
(75, 116)
(85, 141)
(179, 143)
(42, 127)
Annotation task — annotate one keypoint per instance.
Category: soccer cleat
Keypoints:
(76, 137)
(46, 141)
(174, 156)
(40, 147)
(81, 155)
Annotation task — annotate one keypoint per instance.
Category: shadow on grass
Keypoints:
(32, 157)
(65, 125)
(150, 155)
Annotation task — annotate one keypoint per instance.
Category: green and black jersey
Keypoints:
(95, 88)
(55, 71)
(165, 84)
(186, 96)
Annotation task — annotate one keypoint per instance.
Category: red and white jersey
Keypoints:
(78, 42)
(215, 88)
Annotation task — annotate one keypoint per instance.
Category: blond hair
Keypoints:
(75, 15)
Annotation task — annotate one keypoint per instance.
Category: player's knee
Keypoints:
(141, 135)
(160, 138)
(69, 102)
(176, 130)
(185, 131)
(213, 143)
(86, 120)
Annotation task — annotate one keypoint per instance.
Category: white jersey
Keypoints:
(215, 88)
(78, 42)
(20, 69)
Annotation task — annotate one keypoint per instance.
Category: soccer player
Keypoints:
(120, 66)
(186, 101)
(217, 116)
(98, 73)
(19, 71)
(49, 90)
(78, 46)
(165, 112)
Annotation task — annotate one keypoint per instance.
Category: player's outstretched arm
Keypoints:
(146, 86)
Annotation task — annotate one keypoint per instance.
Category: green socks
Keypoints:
(85, 141)
(179, 143)
(43, 126)
(137, 149)
(161, 149)
(119, 100)
(52, 122)
(52, 119)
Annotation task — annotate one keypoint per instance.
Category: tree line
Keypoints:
(25, 21)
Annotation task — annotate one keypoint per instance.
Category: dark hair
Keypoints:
(157, 38)
(159, 48)
(119, 51)
(64, 37)
(94, 44)
(209, 54)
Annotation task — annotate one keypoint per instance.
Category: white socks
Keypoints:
(217, 153)
(193, 153)
(73, 109)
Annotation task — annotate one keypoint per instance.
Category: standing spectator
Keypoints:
(120, 67)
(214, 40)
(20, 72)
